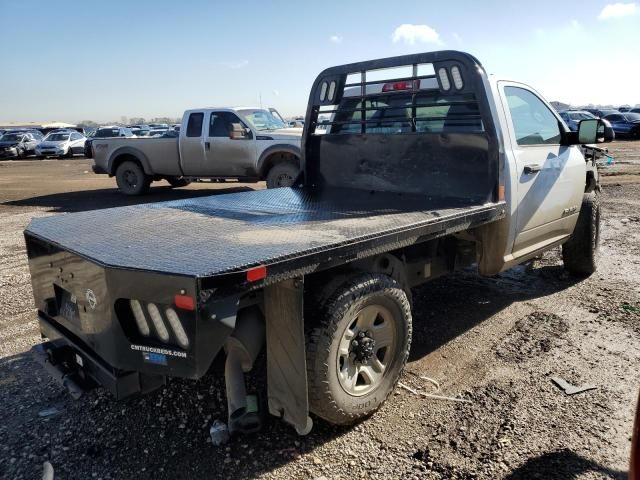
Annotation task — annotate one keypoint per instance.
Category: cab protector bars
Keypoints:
(474, 82)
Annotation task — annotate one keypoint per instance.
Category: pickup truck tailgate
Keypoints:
(211, 236)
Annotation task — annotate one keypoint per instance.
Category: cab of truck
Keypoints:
(254, 142)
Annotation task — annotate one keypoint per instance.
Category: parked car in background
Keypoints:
(163, 126)
(600, 113)
(296, 123)
(17, 144)
(175, 127)
(106, 132)
(625, 124)
(634, 110)
(37, 134)
(624, 109)
(61, 144)
(572, 118)
(157, 132)
(251, 144)
(140, 130)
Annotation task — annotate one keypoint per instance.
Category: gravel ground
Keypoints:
(492, 341)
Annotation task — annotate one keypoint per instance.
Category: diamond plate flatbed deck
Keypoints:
(210, 236)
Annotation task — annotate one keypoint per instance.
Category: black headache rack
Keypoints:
(414, 124)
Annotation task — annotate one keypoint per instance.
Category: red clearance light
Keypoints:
(185, 302)
(256, 273)
(403, 85)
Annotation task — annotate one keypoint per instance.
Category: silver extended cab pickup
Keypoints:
(249, 144)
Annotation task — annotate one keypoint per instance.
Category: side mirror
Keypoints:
(588, 131)
(239, 132)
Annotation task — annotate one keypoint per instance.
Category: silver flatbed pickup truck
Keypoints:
(248, 144)
(434, 168)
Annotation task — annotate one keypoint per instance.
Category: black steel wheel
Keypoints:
(131, 179)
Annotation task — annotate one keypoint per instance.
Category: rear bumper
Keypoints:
(78, 369)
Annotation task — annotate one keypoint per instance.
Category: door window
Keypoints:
(533, 122)
(194, 126)
(221, 124)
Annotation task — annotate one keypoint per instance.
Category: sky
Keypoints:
(73, 61)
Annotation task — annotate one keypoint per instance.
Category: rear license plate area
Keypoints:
(67, 304)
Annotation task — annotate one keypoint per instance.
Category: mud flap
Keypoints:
(286, 358)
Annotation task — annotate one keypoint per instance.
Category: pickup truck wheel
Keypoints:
(131, 179)
(357, 348)
(178, 182)
(580, 252)
(282, 175)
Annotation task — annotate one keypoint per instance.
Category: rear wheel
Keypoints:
(358, 348)
(580, 252)
(282, 175)
(131, 179)
(177, 182)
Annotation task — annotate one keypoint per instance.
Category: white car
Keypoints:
(61, 144)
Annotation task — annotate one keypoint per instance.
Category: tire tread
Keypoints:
(324, 330)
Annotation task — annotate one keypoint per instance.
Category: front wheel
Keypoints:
(282, 175)
(580, 252)
(131, 179)
(69, 153)
(357, 349)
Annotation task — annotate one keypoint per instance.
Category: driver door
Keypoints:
(551, 176)
(226, 156)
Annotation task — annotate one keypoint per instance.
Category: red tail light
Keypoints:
(256, 273)
(185, 302)
(403, 85)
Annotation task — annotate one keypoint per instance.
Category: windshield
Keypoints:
(632, 117)
(57, 137)
(262, 119)
(11, 137)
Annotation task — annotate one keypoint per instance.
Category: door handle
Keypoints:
(207, 145)
(533, 168)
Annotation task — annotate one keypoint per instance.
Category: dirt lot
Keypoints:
(493, 341)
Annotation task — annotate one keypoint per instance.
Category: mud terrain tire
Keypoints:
(580, 252)
(341, 315)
